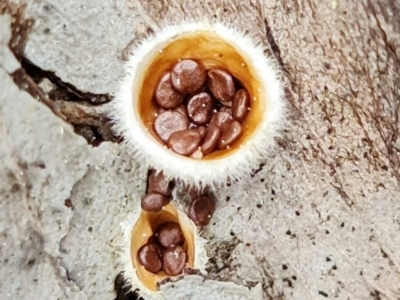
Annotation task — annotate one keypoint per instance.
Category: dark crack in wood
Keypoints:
(274, 46)
(90, 121)
(62, 90)
(82, 111)
(260, 167)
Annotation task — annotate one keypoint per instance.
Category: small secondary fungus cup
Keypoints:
(215, 47)
(141, 226)
(145, 228)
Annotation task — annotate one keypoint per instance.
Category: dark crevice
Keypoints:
(78, 108)
(260, 167)
(83, 110)
(88, 120)
(274, 47)
(290, 83)
(62, 90)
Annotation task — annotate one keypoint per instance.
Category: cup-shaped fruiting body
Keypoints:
(139, 227)
(214, 46)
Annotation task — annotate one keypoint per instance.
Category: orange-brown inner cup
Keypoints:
(213, 51)
(144, 228)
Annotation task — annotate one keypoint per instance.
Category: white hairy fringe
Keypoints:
(193, 171)
(125, 259)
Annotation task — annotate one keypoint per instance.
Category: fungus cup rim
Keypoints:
(214, 170)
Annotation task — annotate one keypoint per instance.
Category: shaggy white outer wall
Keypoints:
(192, 171)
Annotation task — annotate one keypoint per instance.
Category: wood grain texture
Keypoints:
(321, 217)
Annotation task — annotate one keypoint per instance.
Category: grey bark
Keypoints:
(322, 216)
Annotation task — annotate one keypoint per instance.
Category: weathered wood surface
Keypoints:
(330, 214)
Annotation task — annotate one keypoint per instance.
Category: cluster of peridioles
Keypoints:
(160, 237)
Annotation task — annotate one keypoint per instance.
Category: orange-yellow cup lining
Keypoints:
(141, 232)
(213, 51)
